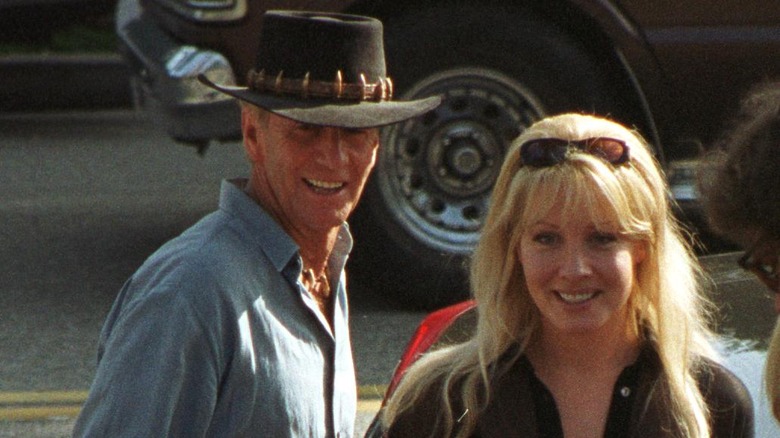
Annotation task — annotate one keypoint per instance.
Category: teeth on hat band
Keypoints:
(380, 91)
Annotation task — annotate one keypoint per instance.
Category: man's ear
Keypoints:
(250, 132)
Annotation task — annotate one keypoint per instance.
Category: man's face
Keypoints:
(308, 177)
(762, 259)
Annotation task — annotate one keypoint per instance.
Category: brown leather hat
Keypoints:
(324, 69)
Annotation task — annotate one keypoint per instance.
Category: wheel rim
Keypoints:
(436, 172)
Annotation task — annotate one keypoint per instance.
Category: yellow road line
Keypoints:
(33, 405)
(369, 405)
(371, 391)
(31, 397)
(38, 413)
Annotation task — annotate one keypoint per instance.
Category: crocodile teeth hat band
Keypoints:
(324, 69)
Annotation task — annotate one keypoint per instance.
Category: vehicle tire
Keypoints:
(428, 195)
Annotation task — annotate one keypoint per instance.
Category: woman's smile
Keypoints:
(579, 272)
(576, 298)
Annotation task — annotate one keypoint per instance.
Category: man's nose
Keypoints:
(332, 147)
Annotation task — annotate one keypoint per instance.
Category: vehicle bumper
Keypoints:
(164, 79)
(688, 208)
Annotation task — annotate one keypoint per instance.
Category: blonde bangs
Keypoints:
(585, 188)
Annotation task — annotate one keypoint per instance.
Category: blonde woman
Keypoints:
(591, 321)
(739, 182)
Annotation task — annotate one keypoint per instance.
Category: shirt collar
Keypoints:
(267, 234)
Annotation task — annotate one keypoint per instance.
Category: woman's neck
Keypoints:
(591, 350)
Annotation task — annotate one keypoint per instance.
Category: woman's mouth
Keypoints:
(575, 298)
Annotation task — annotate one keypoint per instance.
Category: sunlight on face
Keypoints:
(579, 273)
(309, 177)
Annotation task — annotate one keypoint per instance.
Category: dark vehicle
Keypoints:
(49, 48)
(28, 22)
(673, 69)
(736, 291)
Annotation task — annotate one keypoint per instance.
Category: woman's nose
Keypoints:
(575, 263)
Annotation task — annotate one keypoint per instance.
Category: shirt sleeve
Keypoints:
(157, 371)
(730, 404)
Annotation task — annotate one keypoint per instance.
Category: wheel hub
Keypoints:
(436, 172)
(462, 158)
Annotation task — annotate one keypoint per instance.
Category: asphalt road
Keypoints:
(86, 198)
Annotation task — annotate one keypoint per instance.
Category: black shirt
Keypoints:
(520, 406)
(548, 422)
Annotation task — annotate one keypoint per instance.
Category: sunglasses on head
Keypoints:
(546, 152)
(765, 270)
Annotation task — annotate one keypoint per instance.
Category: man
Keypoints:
(239, 327)
(738, 182)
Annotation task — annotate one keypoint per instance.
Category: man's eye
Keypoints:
(306, 127)
(767, 268)
(360, 133)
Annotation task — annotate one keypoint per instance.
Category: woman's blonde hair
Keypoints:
(666, 303)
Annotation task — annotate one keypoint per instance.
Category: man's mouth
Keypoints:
(324, 185)
(575, 298)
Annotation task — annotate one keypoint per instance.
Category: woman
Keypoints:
(739, 183)
(591, 322)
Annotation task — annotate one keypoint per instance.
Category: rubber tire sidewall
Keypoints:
(545, 61)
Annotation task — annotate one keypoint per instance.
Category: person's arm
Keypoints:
(730, 404)
(157, 373)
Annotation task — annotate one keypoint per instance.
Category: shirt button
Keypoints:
(625, 391)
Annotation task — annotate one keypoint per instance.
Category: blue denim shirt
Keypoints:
(215, 336)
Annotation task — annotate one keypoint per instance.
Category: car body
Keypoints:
(37, 3)
(28, 20)
(747, 315)
(673, 69)
(60, 55)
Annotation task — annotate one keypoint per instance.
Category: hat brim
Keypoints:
(326, 112)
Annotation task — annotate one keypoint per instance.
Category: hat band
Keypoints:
(380, 91)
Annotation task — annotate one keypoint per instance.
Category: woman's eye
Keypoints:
(603, 238)
(546, 238)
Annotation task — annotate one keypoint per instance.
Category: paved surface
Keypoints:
(50, 82)
(86, 198)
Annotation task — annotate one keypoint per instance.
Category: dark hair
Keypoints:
(739, 178)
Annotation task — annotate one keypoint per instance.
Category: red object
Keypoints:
(428, 332)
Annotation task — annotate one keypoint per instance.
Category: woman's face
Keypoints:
(580, 276)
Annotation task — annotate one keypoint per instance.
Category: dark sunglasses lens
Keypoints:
(543, 153)
(765, 272)
(551, 151)
(769, 279)
(611, 150)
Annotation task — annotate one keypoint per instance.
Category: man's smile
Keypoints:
(323, 185)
